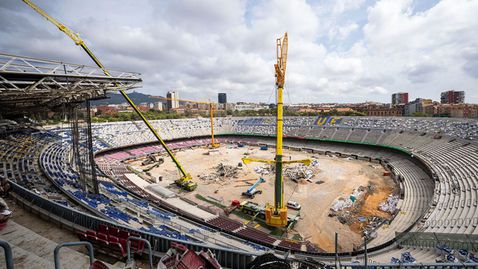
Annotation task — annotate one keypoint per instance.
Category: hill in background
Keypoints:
(116, 99)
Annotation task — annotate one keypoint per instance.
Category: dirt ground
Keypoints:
(340, 177)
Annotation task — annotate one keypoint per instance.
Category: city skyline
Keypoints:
(340, 51)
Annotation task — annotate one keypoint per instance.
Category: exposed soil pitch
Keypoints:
(340, 177)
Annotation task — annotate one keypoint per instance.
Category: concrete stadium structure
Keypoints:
(434, 161)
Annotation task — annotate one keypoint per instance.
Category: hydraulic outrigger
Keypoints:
(185, 180)
(276, 214)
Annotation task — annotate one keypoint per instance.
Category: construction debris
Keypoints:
(299, 172)
(390, 205)
(265, 169)
(342, 203)
(221, 173)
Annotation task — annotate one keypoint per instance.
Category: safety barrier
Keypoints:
(56, 252)
(8, 254)
(150, 251)
(431, 240)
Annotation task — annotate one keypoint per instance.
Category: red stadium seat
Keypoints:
(103, 229)
(91, 238)
(123, 234)
(82, 236)
(117, 248)
(113, 239)
(113, 231)
(91, 233)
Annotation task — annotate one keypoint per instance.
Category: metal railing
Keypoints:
(150, 250)
(56, 252)
(8, 254)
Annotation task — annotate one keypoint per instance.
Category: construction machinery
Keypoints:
(252, 191)
(212, 108)
(152, 161)
(276, 214)
(185, 180)
(234, 205)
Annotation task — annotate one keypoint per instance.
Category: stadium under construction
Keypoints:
(224, 192)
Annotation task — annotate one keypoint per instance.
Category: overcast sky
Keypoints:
(339, 51)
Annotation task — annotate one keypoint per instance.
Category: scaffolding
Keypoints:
(29, 85)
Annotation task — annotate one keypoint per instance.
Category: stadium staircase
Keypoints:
(32, 250)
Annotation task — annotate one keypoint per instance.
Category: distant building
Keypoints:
(106, 110)
(456, 110)
(452, 97)
(417, 106)
(399, 98)
(222, 98)
(157, 106)
(250, 106)
(172, 104)
(384, 111)
(464, 111)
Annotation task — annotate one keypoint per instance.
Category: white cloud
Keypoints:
(338, 51)
(342, 32)
(341, 6)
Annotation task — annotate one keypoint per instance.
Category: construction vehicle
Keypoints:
(211, 114)
(276, 214)
(185, 180)
(252, 191)
(234, 205)
(152, 160)
(258, 212)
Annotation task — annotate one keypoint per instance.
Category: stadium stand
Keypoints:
(434, 161)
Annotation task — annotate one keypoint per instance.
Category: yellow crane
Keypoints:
(212, 108)
(276, 214)
(185, 180)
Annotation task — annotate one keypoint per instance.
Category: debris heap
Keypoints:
(390, 205)
(299, 172)
(264, 169)
(221, 173)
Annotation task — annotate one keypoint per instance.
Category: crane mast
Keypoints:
(185, 180)
(276, 213)
(211, 115)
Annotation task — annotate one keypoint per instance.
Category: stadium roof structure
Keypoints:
(35, 85)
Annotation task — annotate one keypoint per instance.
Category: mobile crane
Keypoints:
(212, 108)
(276, 214)
(185, 181)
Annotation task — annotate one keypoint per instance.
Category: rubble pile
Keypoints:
(299, 172)
(221, 172)
(342, 203)
(348, 210)
(390, 205)
(264, 169)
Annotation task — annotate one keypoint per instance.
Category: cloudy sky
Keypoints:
(339, 51)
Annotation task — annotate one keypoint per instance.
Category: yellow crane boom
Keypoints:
(185, 180)
(211, 114)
